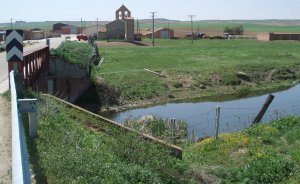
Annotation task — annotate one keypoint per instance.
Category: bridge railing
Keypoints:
(34, 64)
(20, 166)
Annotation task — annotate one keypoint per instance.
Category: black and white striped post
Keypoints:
(14, 51)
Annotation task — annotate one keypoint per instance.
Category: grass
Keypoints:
(75, 52)
(210, 63)
(249, 26)
(74, 147)
(266, 153)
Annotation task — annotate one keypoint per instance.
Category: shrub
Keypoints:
(234, 30)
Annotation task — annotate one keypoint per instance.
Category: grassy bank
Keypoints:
(207, 68)
(267, 153)
(73, 147)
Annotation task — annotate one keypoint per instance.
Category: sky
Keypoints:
(89, 10)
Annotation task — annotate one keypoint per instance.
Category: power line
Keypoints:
(153, 16)
(192, 27)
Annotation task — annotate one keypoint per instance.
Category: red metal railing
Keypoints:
(35, 63)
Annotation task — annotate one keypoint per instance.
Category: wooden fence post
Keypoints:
(217, 122)
(173, 129)
(263, 109)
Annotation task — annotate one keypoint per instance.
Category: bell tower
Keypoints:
(122, 13)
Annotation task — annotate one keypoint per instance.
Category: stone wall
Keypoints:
(129, 29)
(115, 30)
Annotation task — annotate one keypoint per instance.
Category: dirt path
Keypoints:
(5, 142)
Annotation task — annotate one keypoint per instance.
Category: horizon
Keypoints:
(158, 18)
(31, 11)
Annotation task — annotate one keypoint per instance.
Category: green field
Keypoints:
(188, 69)
(249, 26)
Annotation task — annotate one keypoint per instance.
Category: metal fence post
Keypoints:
(173, 129)
(29, 106)
(48, 41)
(217, 122)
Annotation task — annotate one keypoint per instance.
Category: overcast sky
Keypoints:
(73, 10)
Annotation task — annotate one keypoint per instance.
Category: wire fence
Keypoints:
(235, 119)
(235, 115)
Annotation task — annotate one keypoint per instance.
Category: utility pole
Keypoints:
(153, 15)
(81, 25)
(192, 27)
(168, 29)
(11, 24)
(137, 26)
(97, 26)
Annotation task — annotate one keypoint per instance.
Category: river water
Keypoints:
(235, 114)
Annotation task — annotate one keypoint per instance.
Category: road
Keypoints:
(54, 43)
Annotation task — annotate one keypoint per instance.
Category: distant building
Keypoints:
(163, 33)
(284, 36)
(123, 27)
(34, 34)
(66, 29)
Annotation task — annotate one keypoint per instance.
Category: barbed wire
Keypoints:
(200, 115)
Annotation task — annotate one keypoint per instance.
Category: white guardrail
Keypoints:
(20, 164)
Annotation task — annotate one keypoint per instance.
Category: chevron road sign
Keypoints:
(14, 45)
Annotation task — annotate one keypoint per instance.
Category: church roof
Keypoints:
(122, 8)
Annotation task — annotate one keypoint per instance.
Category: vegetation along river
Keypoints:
(235, 115)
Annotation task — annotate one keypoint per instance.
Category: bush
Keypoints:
(234, 30)
(158, 127)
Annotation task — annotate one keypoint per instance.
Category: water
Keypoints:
(235, 114)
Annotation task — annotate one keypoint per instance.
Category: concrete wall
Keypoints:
(67, 81)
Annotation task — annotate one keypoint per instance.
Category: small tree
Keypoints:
(234, 30)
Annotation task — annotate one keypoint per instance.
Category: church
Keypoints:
(123, 27)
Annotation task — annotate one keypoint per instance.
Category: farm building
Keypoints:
(34, 34)
(163, 33)
(66, 29)
(285, 36)
(122, 27)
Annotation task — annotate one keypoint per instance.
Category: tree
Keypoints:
(234, 30)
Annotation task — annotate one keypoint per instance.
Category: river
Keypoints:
(236, 114)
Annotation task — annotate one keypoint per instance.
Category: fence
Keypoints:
(234, 119)
(27, 74)
(35, 63)
(20, 167)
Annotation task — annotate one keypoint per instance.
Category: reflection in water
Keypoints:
(235, 114)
